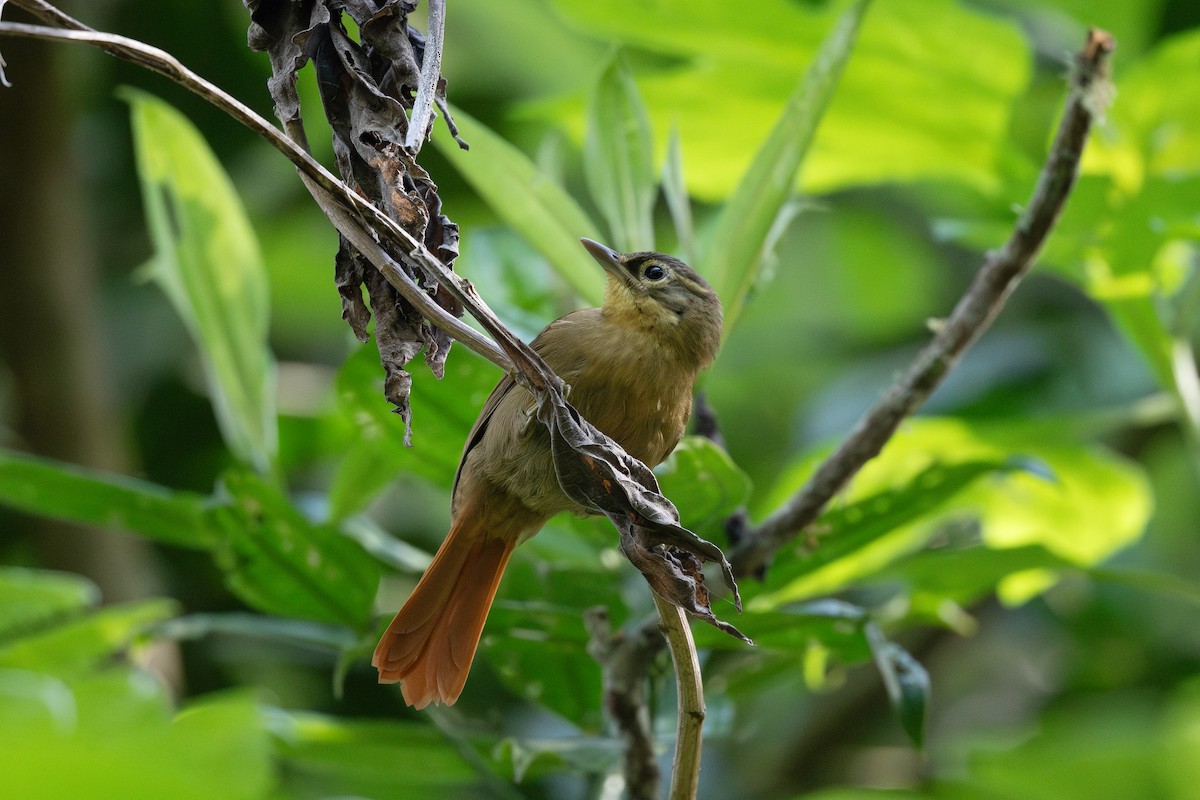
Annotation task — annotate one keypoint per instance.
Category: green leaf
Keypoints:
(208, 263)
(75, 494)
(324, 756)
(535, 636)
(30, 598)
(929, 94)
(376, 454)
(937, 470)
(704, 483)
(618, 158)
(278, 561)
(965, 575)
(675, 191)
(1156, 110)
(860, 537)
(67, 648)
(734, 259)
(792, 630)
(113, 736)
(261, 628)
(906, 682)
(527, 200)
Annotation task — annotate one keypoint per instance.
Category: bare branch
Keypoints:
(983, 300)
(431, 73)
(355, 213)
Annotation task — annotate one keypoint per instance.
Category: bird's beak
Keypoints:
(609, 259)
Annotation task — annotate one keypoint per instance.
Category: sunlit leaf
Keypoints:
(967, 574)
(1096, 504)
(966, 67)
(208, 263)
(113, 736)
(734, 257)
(76, 494)
(530, 202)
(856, 539)
(619, 158)
(793, 631)
(1156, 110)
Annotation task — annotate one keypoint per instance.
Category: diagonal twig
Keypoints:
(357, 212)
(983, 300)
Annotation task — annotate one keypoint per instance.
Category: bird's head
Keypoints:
(661, 293)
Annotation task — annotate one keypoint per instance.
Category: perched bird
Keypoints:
(631, 366)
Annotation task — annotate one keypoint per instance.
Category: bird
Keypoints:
(631, 367)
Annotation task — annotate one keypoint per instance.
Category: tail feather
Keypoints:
(431, 642)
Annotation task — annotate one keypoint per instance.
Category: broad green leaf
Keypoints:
(791, 630)
(29, 598)
(323, 756)
(1082, 505)
(736, 253)
(112, 736)
(376, 454)
(928, 95)
(76, 494)
(67, 648)
(530, 202)
(704, 483)
(208, 263)
(279, 562)
(965, 575)
(618, 158)
(1156, 111)
(856, 539)
(535, 633)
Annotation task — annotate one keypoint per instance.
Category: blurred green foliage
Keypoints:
(1027, 550)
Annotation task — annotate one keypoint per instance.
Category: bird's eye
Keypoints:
(653, 272)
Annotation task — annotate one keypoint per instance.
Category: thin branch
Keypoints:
(431, 73)
(357, 220)
(984, 299)
(685, 774)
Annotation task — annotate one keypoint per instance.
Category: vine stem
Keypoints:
(685, 772)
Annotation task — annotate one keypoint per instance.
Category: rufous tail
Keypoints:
(430, 644)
